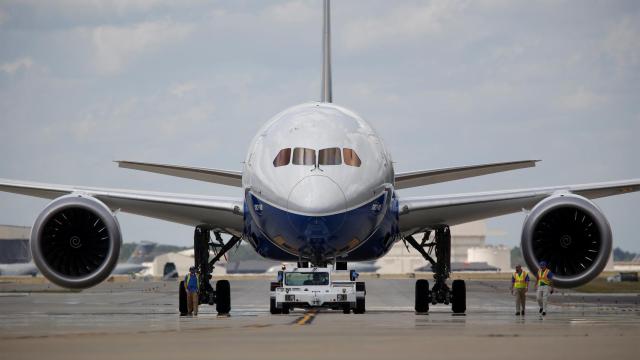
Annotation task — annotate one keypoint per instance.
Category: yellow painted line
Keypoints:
(307, 318)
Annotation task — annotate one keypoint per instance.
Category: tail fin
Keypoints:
(326, 95)
(141, 252)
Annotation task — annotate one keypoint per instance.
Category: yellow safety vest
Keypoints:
(188, 278)
(520, 282)
(543, 279)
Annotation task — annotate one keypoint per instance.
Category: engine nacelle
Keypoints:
(75, 241)
(571, 234)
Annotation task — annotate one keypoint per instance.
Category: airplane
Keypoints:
(319, 187)
(133, 265)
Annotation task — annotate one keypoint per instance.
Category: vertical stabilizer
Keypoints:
(326, 95)
(141, 253)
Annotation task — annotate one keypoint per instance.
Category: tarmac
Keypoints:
(139, 320)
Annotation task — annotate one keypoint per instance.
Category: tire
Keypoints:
(422, 296)
(182, 299)
(223, 297)
(285, 309)
(272, 307)
(360, 306)
(346, 309)
(459, 297)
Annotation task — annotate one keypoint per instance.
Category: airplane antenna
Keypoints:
(326, 54)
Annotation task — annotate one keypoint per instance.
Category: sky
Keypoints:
(445, 83)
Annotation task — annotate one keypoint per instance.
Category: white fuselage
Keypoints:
(330, 188)
(314, 190)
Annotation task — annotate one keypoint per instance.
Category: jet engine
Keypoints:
(571, 234)
(75, 241)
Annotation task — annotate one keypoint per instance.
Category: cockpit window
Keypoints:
(283, 158)
(330, 156)
(351, 158)
(304, 156)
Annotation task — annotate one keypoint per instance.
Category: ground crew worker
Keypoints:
(353, 275)
(280, 278)
(192, 286)
(544, 287)
(519, 288)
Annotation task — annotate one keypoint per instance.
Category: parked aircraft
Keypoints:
(132, 266)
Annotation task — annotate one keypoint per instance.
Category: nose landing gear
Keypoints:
(440, 293)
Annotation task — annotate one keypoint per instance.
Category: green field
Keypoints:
(600, 285)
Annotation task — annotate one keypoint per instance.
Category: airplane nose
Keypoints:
(317, 195)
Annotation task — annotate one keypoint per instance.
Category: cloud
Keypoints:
(623, 42)
(582, 99)
(116, 46)
(87, 7)
(11, 68)
(404, 23)
(182, 89)
(292, 12)
(3, 16)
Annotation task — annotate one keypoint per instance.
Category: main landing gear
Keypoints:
(440, 293)
(221, 296)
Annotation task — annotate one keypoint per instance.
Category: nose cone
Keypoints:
(317, 195)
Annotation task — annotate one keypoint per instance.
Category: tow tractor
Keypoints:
(314, 287)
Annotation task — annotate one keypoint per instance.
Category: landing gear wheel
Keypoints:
(360, 306)
(422, 296)
(459, 297)
(182, 299)
(223, 297)
(285, 309)
(272, 307)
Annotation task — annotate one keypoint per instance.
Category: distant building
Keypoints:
(181, 261)
(14, 244)
(245, 260)
(463, 237)
(497, 256)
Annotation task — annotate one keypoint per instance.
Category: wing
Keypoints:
(427, 177)
(126, 269)
(420, 213)
(218, 212)
(224, 177)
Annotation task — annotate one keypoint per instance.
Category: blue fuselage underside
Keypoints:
(364, 233)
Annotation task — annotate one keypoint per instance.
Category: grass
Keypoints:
(600, 285)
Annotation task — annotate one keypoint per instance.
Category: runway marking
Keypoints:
(307, 318)
(13, 294)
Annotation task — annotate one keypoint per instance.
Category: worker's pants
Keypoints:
(192, 302)
(542, 295)
(521, 299)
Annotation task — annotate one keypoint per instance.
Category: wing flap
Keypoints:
(427, 177)
(218, 212)
(224, 177)
(419, 213)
